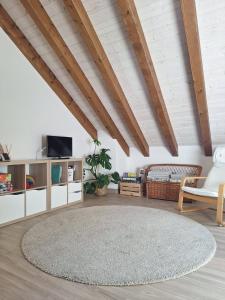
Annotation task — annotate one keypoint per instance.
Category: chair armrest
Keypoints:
(185, 179)
(221, 190)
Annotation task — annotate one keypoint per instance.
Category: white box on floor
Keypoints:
(35, 201)
(11, 207)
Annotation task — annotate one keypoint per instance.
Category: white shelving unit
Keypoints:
(24, 202)
(69, 191)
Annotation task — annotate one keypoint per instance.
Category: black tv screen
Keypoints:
(59, 146)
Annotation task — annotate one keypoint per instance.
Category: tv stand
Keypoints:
(43, 196)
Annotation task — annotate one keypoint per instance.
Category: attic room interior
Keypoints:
(112, 149)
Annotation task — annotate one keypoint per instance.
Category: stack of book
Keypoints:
(130, 177)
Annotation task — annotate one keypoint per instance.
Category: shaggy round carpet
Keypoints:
(118, 245)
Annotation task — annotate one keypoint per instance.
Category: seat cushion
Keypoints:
(199, 192)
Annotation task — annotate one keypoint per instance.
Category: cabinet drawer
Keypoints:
(58, 195)
(74, 187)
(35, 201)
(11, 207)
(75, 196)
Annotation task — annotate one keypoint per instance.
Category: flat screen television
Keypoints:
(59, 146)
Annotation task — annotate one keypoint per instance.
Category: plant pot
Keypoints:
(101, 191)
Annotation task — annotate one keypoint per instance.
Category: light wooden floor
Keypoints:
(20, 280)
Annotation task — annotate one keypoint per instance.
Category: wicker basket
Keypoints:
(167, 190)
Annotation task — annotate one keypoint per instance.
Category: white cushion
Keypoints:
(199, 192)
(219, 155)
(215, 177)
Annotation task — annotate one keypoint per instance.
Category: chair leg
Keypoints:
(180, 201)
(219, 211)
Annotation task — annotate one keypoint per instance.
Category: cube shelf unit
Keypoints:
(66, 192)
(23, 202)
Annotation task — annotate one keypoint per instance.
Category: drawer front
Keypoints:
(75, 196)
(74, 187)
(35, 201)
(58, 195)
(11, 207)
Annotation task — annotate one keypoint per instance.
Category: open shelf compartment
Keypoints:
(77, 168)
(58, 172)
(38, 171)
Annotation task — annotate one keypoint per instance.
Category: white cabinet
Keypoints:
(58, 195)
(12, 207)
(33, 191)
(35, 201)
(74, 192)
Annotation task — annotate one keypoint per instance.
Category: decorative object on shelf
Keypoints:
(99, 183)
(30, 182)
(71, 171)
(163, 180)
(56, 173)
(5, 152)
(41, 151)
(3, 188)
(6, 182)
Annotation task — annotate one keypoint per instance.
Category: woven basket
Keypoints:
(167, 190)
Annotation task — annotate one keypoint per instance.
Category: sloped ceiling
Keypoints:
(163, 29)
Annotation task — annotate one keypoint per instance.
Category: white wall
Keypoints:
(29, 110)
(187, 154)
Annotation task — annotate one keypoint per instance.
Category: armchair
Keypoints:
(213, 190)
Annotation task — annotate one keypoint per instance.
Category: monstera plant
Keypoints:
(99, 161)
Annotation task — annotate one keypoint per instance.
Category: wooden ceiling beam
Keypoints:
(136, 35)
(15, 34)
(82, 21)
(190, 22)
(50, 32)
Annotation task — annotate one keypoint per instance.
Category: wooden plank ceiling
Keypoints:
(192, 36)
(138, 86)
(137, 38)
(81, 19)
(44, 23)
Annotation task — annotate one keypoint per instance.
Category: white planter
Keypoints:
(74, 192)
(35, 201)
(11, 207)
(58, 195)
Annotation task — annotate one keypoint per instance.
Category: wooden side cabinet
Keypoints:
(131, 189)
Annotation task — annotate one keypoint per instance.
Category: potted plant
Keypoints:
(99, 182)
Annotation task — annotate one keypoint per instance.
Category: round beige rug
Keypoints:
(118, 245)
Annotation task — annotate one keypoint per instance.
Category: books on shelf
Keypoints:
(130, 177)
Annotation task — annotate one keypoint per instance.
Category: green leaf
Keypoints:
(89, 187)
(92, 160)
(102, 180)
(115, 177)
(104, 159)
(96, 142)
